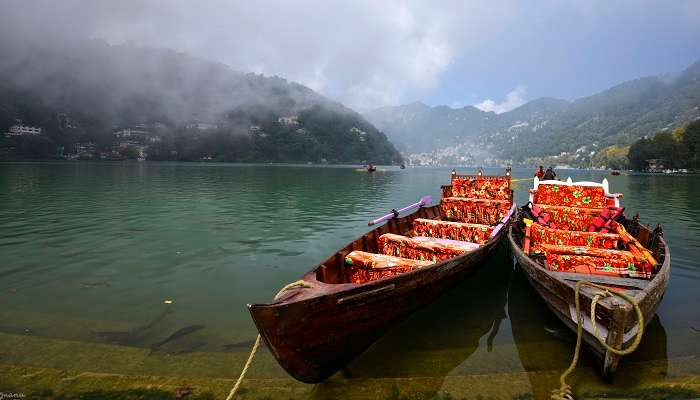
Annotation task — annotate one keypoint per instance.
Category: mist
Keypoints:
(367, 54)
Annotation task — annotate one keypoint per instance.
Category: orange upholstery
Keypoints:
(406, 247)
(571, 218)
(570, 196)
(482, 187)
(477, 211)
(363, 267)
(584, 264)
(545, 235)
(570, 212)
(475, 233)
(604, 261)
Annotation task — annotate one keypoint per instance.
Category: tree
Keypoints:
(614, 157)
(691, 140)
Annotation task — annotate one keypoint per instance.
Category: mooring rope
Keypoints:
(565, 391)
(298, 284)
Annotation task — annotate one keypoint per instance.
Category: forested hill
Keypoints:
(81, 92)
(619, 115)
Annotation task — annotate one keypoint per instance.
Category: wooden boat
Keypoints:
(355, 296)
(594, 262)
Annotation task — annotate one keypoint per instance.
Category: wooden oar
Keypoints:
(424, 201)
(633, 242)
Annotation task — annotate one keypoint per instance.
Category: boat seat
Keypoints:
(466, 245)
(481, 187)
(571, 218)
(363, 267)
(477, 211)
(581, 259)
(415, 249)
(545, 235)
(460, 231)
(571, 195)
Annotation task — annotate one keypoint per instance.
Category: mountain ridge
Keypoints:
(102, 89)
(549, 126)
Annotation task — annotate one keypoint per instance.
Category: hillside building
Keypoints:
(24, 130)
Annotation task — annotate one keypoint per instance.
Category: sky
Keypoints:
(493, 54)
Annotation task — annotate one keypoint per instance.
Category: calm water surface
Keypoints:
(90, 251)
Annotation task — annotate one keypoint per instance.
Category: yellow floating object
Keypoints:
(168, 301)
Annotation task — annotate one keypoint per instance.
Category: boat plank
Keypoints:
(606, 280)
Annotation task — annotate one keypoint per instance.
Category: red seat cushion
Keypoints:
(475, 233)
(484, 187)
(406, 247)
(584, 264)
(477, 211)
(604, 261)
(363, 267)
(570, 196)
(545, 235)
(571, 218)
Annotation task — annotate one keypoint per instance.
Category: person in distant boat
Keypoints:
(549, 174)
(539, 173)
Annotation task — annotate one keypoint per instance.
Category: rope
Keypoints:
(565, 392)
(298, 284)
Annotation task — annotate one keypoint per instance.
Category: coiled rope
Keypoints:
(565, 391)
(298, 284)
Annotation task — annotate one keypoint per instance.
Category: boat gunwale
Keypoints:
(615, 315)
(321, 288)
(660, 278)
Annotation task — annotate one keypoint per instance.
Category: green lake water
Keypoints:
(90, 251)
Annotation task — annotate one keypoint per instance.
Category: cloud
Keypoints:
(514, 99)
(364, 53)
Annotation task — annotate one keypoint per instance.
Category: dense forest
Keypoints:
(182, 108)
(676, 150)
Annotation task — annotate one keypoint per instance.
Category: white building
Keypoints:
(128, 132)
(291, 120)
(24, 130)
(202, 126)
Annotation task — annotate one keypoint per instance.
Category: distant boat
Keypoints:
(371, 168)
(615, 172)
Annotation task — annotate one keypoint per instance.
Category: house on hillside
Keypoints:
(23, 130)
(288, 121)
(655, 165)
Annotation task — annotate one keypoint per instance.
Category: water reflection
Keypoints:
(545, 345)
(434, 342)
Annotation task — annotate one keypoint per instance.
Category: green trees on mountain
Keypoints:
(613, 157)
(677, 149)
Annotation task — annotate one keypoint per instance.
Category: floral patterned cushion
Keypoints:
(485, 187)
(467, 246)
(363, 267)
(606, 261)
(583, 264)
(476, 211)
(545, 235)
(571, 218)
(406, 247)
(474, 233)
(570, 196)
